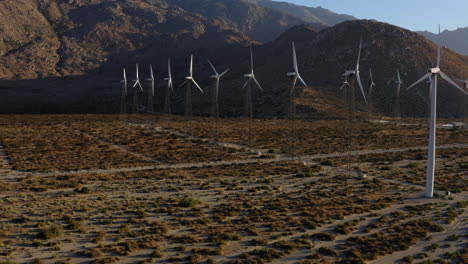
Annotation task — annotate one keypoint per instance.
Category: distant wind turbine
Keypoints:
(372, 84)
(135, 92)
(150, 107)
(123, 93)
(248, 84)
(398, 82)
(170, 87)
(295, 76)
(433, 74)
(189, 80)
(215, 95)
(355, 73)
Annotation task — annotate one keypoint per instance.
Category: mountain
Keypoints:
(65, 38)
(456, 40)
(258, 22)
(67, 56)
(309, 14)
(323, 57)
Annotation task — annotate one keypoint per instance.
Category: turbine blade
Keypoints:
(296, 69)
(137, 74)
(169, 68)
(251, 60)
(151, 72)
(370, 73)
(191, 66)
(301, 80)
(182, 84)
(438, 50)
(141, 88)
(443, 75)
(358, 78)
(224, 72)
(171, 85)
(198, 86)
(124, 75)
(245, 84)
(258, 84)
(212, 67)
(359, 55)
(398, 75)
(427, 75)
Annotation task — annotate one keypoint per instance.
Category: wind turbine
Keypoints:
(433, 74)
(123, 93)
(169, 88)
(295, 76)
(248, 84)
(465, 82)
(372, 84)
(351, 101)
(215, 95)
(355, 73)
(135, 92)
(188, 94)
(371, 87)
(150, 107)
(398, 82)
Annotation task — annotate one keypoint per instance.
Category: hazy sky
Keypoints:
(415, 15)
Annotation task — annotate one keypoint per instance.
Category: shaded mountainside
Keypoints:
(50, 38)
(256, 21)
(67, 56)
(456, 40)
(323, 56)
(308, 14)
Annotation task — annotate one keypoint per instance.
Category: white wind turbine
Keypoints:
(135, 92)
(215, 102)
(355, 73)
(295, 76)
(248, 83)
(188, 95)
(433, 74)
(149, 107)
(398, 82)
(372, 84)
(123, 94)
(170, 87)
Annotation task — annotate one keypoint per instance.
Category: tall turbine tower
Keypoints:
(398, 82)
(123, 94)
(169, 88)
(433, 75)
(150, 105)
(135, 91)
(188, 92)
(215, 95)
(371, 87)
(351, 99)
(248, 84)
(295, 76)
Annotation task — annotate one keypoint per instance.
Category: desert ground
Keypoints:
(172, 189)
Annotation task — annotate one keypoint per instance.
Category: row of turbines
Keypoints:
(354, 75)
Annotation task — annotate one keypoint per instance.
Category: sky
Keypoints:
(416, 15)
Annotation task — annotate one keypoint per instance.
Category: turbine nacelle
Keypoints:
(349, 73)
(189, 78)
(291, 74)
(434, 70)
(215, 76)
(248, 75)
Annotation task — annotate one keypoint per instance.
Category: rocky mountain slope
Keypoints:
(308, 14)
(67, 56)
(456, 40)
